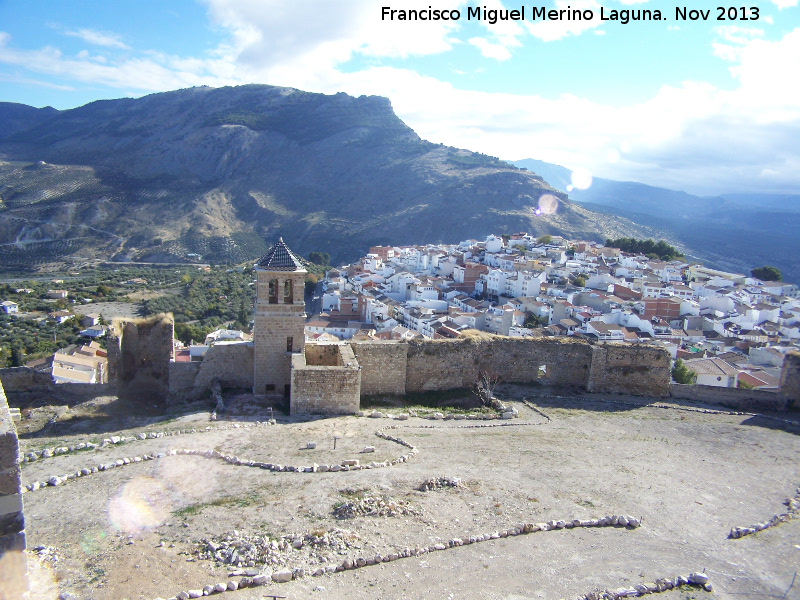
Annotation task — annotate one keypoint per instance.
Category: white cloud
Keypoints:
(490, 50)
(781, 4)
(98, 38)
(549, 31)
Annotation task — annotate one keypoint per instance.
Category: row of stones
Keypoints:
(348, 564)
(510, 413)
(658, 586)
(114, 440)
(794, 509)
(347, 465)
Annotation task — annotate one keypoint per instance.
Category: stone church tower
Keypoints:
(279, 329)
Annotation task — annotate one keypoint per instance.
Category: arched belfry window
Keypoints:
(273, 291)
(288, 292)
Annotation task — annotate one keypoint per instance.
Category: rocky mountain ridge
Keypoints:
(221, 172)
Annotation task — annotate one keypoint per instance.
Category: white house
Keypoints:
(9, 307)
(714, 372)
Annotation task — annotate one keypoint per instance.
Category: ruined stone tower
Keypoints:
(280, 316)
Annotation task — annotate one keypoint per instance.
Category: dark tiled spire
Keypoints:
(280, 258)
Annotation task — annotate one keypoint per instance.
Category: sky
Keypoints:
(707, 105)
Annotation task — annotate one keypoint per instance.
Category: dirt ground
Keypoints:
(137, 531)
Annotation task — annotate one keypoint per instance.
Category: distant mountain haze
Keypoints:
(729, 231)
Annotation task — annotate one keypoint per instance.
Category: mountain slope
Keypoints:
(731, 231)
(220, 172)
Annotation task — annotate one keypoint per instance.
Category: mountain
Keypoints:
(222, 172)
(730, 231)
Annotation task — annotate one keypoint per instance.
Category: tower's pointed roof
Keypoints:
(280, 258)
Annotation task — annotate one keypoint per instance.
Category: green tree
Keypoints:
(16, 356)
(767, 273)
(319, 258)
(545, 239)
(682, 374)
(580, 281)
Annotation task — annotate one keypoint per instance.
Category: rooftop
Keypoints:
(280, 258)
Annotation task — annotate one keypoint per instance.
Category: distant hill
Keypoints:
(222, 172)
(730, 231)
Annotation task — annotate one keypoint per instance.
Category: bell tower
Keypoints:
(279, 321)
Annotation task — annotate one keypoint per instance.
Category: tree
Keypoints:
(532, 322)
(311, 283)
(545, 239)
(682, 374)
(319, 258)
(16, 356)
(483, 388)
(580, 281)
(767, 273)
(506, 237)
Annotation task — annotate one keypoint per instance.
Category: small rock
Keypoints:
(282, 576)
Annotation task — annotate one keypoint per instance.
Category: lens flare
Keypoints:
(142, 504)
(581, 179)
(548, 204)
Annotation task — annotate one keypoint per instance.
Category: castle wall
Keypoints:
(12, 520)
(139, 354)
(232, 364)
(182, 376)
(625, 369)
(326, 390)
(736, 398)
(450, 364)
(323, 355)
(383, 366)
(790, 380)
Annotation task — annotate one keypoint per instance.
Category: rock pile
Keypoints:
(289, 551)
(374, 507)
(793, 505)
(437, 483)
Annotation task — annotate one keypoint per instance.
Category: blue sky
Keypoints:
(704, 106)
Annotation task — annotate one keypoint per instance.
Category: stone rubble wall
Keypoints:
(182, 376)
(640, 370)
(139, 355)
(790, 380)
(231, 364)
(383, 367)
(12, 521)
(736, 398)
(452, 364)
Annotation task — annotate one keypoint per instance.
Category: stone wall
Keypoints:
(790, 380)
(621, 368)
(25, 379)
(323, 355)
(139, 354)
(13, 581)
(182, 376)
(451, 364)
(736, 398)
(383, 367)
(231, 364)
(326, 390)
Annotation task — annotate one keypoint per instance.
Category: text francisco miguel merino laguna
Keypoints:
(477, 13)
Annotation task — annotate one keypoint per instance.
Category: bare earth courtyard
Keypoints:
(165, 524)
